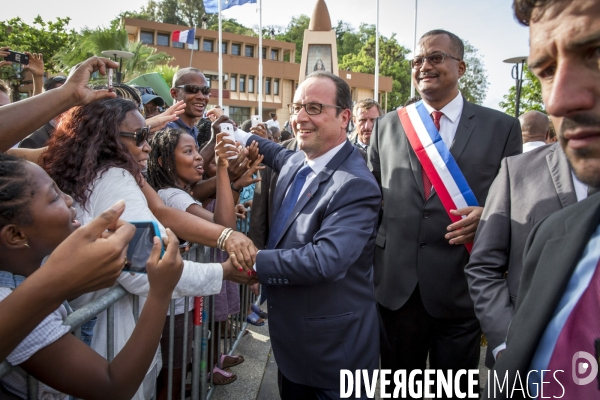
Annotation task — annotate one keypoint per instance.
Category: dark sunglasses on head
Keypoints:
(193, 89)
(140, 136)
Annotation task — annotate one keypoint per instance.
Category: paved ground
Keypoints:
(257, 375)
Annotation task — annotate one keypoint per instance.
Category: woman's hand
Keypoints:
(171, 114)
(214, 113)
(240, 211)
(247, 178)
(3, 53)
(224, 149)
(36, 64)
(260, 130)
(163, 274)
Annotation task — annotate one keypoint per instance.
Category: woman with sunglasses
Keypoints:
(97, 155)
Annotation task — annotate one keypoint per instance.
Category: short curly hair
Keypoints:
(524, 9)
(87, 143)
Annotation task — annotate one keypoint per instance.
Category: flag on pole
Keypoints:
(212, 6)
(184, 36)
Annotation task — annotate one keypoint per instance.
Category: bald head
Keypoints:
(535, 126)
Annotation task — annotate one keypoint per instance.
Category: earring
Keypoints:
(27, 245)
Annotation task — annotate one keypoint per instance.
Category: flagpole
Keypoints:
(260, 58)
(193, 42)
(412, 87)
(376, 89)
(220, 57)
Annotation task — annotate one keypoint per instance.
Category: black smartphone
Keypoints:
(19, 58)
(141, 245)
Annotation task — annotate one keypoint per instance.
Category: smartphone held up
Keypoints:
(141, 245)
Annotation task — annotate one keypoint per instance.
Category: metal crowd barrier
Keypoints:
(202, 387)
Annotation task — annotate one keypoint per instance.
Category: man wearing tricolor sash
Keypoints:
(435, 161)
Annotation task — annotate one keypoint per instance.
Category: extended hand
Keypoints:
(164, 273)
(463, 231)
(79, 77)
(36, 64)
(92, 258)
(171, 114)
(224, 149)
(3, 53)
(230, 273)
(241, 250)
(248, 179)
(260, 130)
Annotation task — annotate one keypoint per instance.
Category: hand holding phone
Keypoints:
(140, 247)
(16, 57)
(256, 119)
(164, 273)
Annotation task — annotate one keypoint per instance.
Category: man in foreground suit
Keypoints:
(556, 322)
(528, 188)
(317, 268)
(420, 254)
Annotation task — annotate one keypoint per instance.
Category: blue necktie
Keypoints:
(287, 206)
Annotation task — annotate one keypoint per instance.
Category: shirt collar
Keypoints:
(451, 110)
(191, 130)
(318, 164)
(528, 146)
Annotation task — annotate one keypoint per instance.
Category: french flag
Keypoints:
(184, 36)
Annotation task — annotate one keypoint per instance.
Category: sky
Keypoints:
(489, 25)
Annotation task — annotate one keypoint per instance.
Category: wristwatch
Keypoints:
(234, 189)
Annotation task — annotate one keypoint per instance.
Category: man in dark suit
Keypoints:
(528, 188)
(420, 254)
(556, 321)
(317, 267)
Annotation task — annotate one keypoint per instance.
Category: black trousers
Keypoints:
(289, 390)
(413, 334)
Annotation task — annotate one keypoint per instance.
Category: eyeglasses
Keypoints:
(193, 89)
(433, 59)
(311, 108)
(140, 136)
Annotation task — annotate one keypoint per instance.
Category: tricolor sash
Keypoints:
(436, 160)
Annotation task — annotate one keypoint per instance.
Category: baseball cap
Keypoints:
(146, 98)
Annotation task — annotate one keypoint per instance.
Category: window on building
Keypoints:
(162, 39)
(208, 45)
(276, 87)
(224, 48)
(249, 51)
(147, 37)
(264, 53)
(196, 44)
(251, 84)
(268, 86)
(178, 45)
(275, 55)
(233, 82)
(236, 49)
(239, 113)
(242, 84)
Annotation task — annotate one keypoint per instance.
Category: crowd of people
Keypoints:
(395, 247)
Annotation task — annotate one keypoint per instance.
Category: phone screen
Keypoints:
(140, 246)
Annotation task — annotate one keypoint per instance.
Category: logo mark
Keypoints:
(590, 365)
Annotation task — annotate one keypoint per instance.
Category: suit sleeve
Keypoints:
(373, 153)
(347, 226)
(489, 262)
(275, 154)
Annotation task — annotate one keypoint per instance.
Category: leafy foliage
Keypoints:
(531, 95)
(294, 33)
(473, 84)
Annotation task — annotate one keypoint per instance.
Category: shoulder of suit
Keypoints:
(489, 112)
(581, 213)
(533, 156)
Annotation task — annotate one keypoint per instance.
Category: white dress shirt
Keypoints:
(449, 121)
(532, 145)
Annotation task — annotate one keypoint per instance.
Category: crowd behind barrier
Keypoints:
(204, 328)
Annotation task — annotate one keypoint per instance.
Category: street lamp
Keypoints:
(120, 55)
(518, 77)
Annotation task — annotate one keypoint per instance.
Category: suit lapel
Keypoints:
(312, 188)
(561, 176)
(464, 130)
(415, 164)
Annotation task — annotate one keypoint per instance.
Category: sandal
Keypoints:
(222, 377)
(259, 312)
(234, 360)
(254, 319)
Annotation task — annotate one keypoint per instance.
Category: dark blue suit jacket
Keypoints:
(319, 277)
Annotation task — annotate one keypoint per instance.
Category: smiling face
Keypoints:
(188, 162)
(132, 123)
(438, 83)
(52, 214)
(565, 56)
(195, 104)
(317, 134)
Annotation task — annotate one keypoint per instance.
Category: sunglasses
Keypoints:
(140, 136)
(193, 89)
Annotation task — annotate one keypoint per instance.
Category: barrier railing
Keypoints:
(204, 327)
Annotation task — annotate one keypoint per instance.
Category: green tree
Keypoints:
(392, 61)
(294, 33)
(178, 12)
(531, 95)
(473, 84)
(92, 42)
